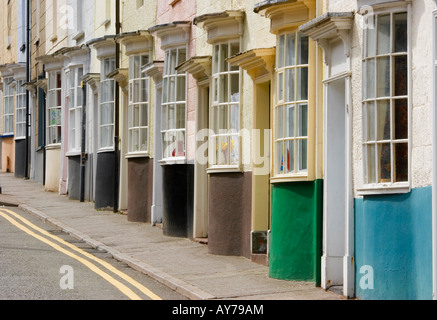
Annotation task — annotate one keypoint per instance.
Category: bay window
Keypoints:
(75, 109)
(8, 107)
(173, 115)
(225, 106)
(54, 105)
(107, 105)
(386, 99)
(291, 108)
(138, 117)
(20, 117)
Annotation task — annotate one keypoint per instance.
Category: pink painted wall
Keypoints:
(182, 10)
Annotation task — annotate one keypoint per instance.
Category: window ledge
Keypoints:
(294, 178)
(53, 146)
(107, 149)
(137, 155)
(171, 161)
(20, 138)
(223, 169)
(73, 153)
(384, 188)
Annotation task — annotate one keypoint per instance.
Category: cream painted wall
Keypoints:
(256, 34)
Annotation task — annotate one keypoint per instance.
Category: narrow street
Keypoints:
(40, 262)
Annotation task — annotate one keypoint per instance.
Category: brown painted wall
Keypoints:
(230, 214)
(140, 189)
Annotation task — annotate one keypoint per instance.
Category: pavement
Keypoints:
(179, 263)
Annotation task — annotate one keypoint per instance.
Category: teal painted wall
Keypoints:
(296, 231)
(393, 235)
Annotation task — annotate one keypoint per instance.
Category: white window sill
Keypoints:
(290, 178)
(136, 155)
(19, 138)
(171, 161)
(223, 169)
(73, 153)
(384, 188)
(53, 146)
(107, 149)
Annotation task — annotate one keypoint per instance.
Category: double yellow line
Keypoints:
(8, 214)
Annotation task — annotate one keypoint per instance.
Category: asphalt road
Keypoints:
(40, 262)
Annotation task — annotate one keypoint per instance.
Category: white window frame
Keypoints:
(8, 107)
(224, 114)
(54, 109)
(75, 101)
(138, 110)
(20, 111)
(281, 107)
(173, 134)
(381, 186)
(107, 100)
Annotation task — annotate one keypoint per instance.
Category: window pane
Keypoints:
(172, 89)
(135, 139)
(371, 171)
(235, 48)
(401, 158)
(383, 81)
(370, 83)
(143, 139)
(280, 86)
(171, 124)
(180, 89)
(235, 147)
(371, 36)
(216, 59)
(303, 154)
(383, 34)
(164, 118)
(371, 120)
(224, 88)
(400, 32)
(182, 56)
(302, 120)
(384, 156)
(383, 120)
(144, 115)
(401, 119)
(180, 120)
(302, 54)
(290, 122)
(165, 90)
(302, 83)
(136, 119)
(290, 58)
(144, 94)
(400, 76)
(289, 84)
(279, 122)
(223, 156)
(235, 118)
(280, 157)
(224, 54)
(235, 87)
(289, 147)
(280, 61)
(222, 118)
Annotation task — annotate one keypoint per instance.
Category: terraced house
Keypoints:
(299, 134)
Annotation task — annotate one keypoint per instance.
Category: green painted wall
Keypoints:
(296, 231)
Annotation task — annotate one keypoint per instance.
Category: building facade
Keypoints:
(299, 134)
